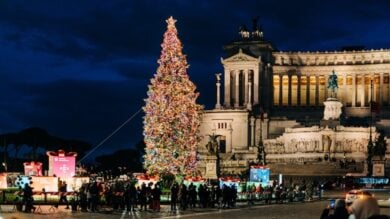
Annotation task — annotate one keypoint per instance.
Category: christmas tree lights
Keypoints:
(172, 117)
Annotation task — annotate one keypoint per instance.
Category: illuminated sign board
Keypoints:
(3, 181)
(49, 183)
(259, 174)
(62, 164)
(33, 168)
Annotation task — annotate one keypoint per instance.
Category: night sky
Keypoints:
(79, 69)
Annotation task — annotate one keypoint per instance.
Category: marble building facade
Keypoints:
(277, 98)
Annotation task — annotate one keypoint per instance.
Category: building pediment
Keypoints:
(240, 57)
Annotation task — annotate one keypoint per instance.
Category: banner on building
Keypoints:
(378, 169)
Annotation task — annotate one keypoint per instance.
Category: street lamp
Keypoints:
(370, 148)
(260, 146)
(5, 166)
(370, 145)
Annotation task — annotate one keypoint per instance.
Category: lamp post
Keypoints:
(5, 157)
(370, 144)
(260, 146)
(5, 166)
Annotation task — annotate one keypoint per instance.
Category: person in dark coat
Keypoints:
(174, 195)
(28, 198)
(62, 189)
(156, 196)
(143, 197)
(340, 211)
(183, 197)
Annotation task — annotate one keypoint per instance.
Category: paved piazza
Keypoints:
(274, 211)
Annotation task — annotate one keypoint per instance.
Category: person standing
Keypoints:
(63, 191)
(94, 192)
(338, 212)
(365, 207)
(156, 195)
(143, 197)
(183, 197)
(174, 194)
(28, 198)
(133, 197)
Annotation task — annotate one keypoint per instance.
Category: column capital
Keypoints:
(252, 119)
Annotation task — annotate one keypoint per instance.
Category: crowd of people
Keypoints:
(120, 195)
(146, 197)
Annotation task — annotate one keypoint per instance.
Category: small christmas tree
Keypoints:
(172, 117)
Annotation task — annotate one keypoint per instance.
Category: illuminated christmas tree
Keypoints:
(172, 117)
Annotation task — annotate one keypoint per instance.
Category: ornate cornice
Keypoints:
(332, 58)
(340, 69)
(240, 58)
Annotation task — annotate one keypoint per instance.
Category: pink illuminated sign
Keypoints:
(64, 166)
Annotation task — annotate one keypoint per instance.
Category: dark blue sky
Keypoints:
(80, 68)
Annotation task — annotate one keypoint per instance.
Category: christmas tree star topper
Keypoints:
(171, 22)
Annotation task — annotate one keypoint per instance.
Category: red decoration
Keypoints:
(195, 179)
(259, 167)
(147, 177)
(32, 168)
(230, 179)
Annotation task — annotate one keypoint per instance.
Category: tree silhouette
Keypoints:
(35, 138)
(129, 158)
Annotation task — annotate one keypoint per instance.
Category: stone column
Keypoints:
(229, 143)
(380, 88)
(371, 91)
(327, 93)
(237, 91)
(289, 91)
(308, 90)
(249, 104)
(317, 90)
(280, 89)
(245, 87)
(362, 92)
(345, 89)
(227, 88)
(218, 104)
(256, 84)
(252, 124)
(299, 90)
(353, 89)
